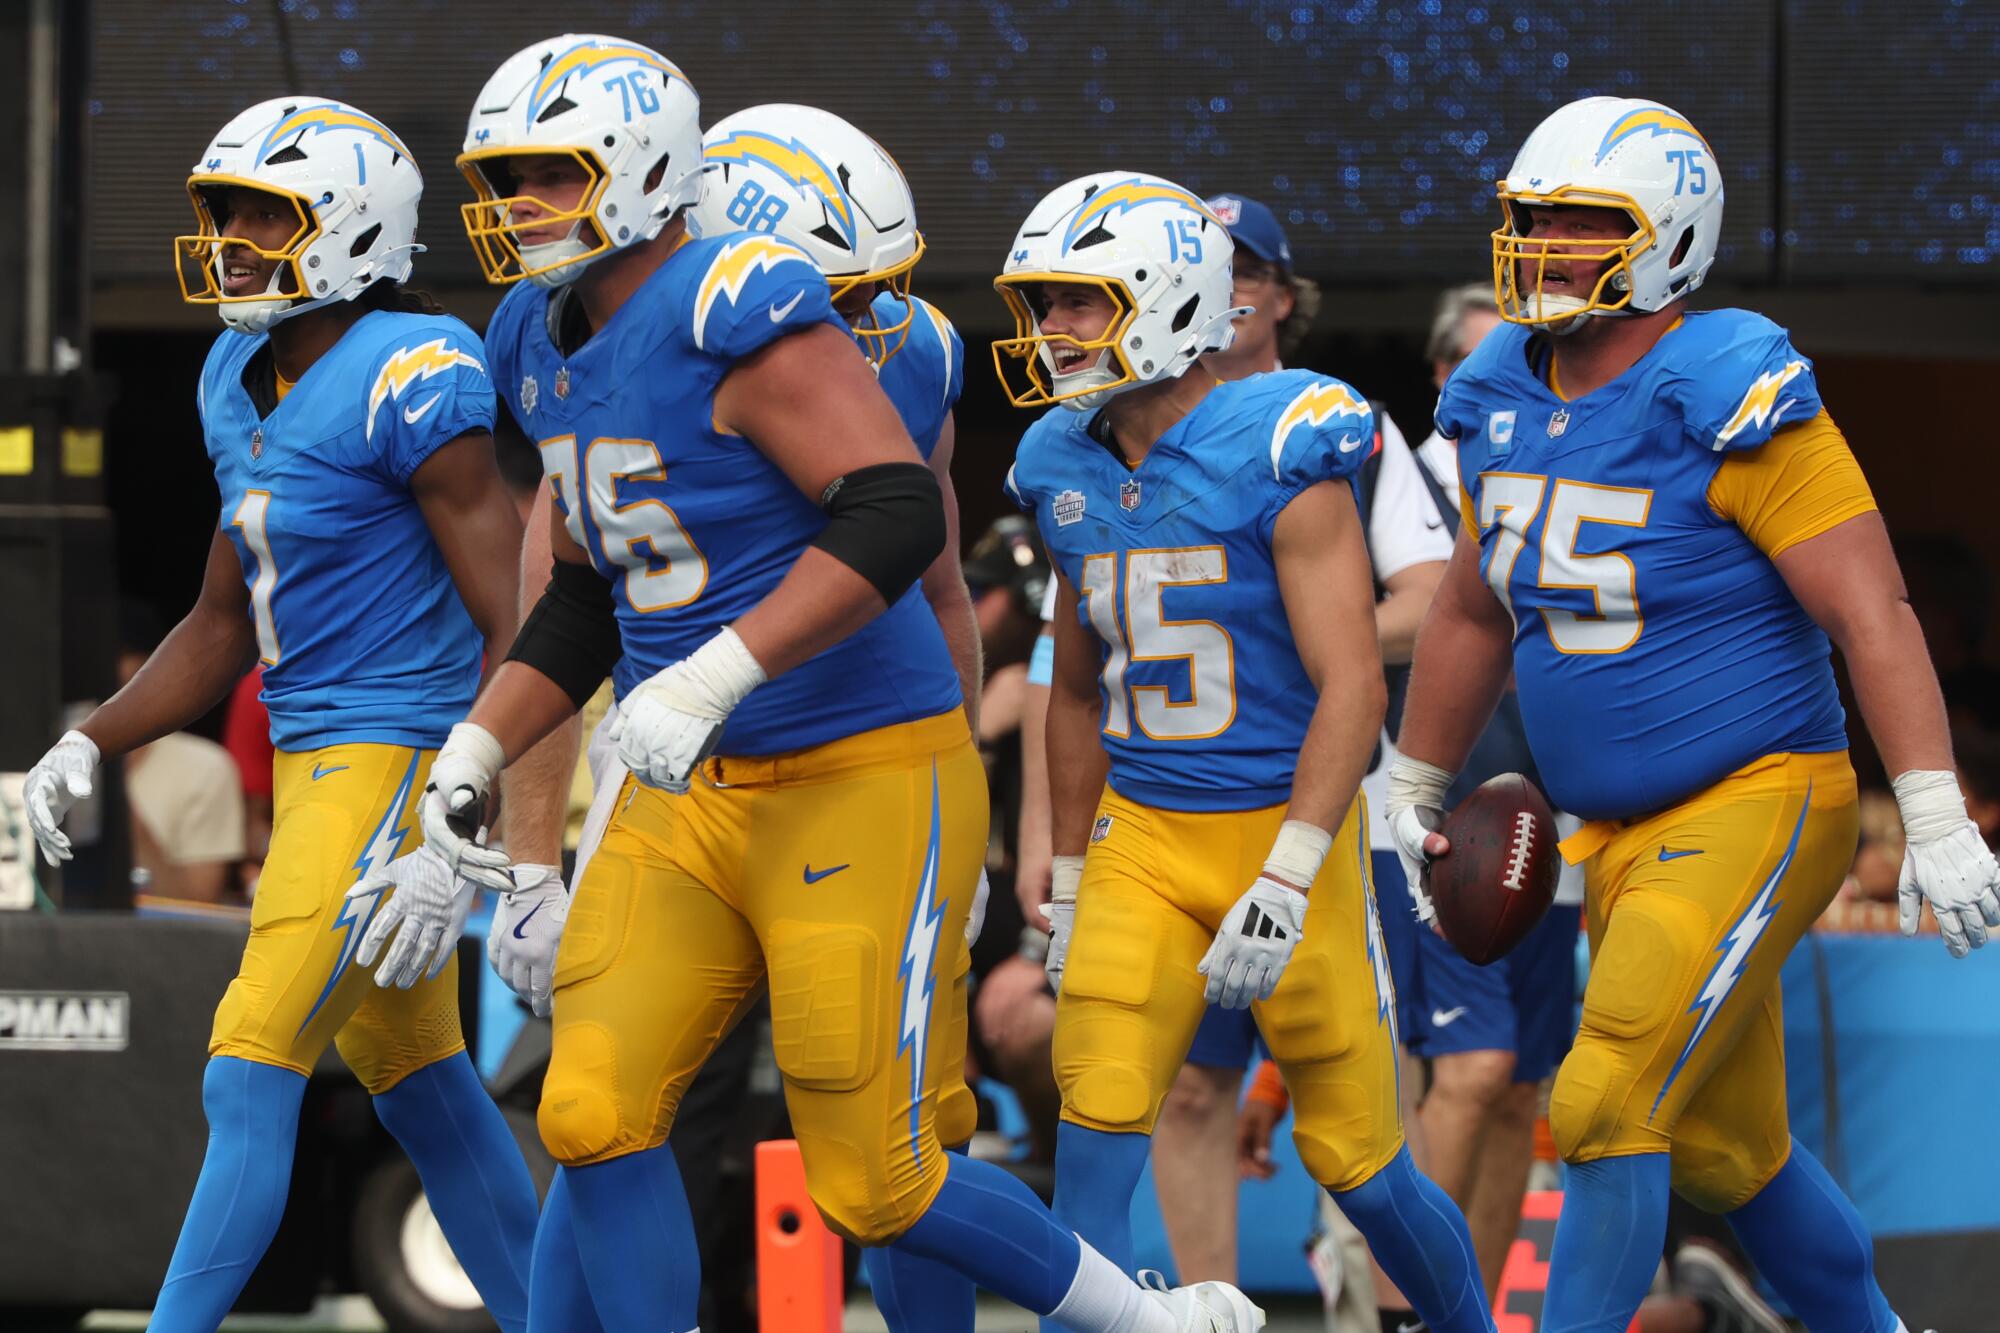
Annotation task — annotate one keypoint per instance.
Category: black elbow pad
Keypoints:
(886, 523)
(572, 634)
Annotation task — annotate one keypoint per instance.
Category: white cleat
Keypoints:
(1205, 1307)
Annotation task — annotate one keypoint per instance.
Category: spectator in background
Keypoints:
(185, 794)
(1285, 302)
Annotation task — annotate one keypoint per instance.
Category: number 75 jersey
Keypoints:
(1205, 700)
(1656, 647)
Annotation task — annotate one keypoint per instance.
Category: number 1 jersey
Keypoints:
(1205, 700)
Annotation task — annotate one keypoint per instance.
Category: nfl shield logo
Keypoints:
(531, 393)
(1559, 422)
(1228, 211)
(1128, 495)
(562, 382)
(1102, 829)
(257, 443)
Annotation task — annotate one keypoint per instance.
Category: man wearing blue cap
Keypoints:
(1285, 302)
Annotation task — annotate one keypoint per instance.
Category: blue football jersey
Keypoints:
(924, 378)
(359, 625)
(693, 527)
(1205, 699)
(1656, 649)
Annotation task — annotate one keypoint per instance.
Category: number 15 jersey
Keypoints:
(692, 526)
(1205, 699)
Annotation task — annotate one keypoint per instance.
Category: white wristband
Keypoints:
(721, 672)
(1414, 782)
(1298, 853)
(1065, 873)
(1930, 802)
(477, 744)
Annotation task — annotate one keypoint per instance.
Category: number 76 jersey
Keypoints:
(1656, 647)
(1205, 700)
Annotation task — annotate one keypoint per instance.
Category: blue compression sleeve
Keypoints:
(1419, 1237)
(636, 1239)
(919, 1295)
(1813, 1248)
(558, 1296)
(992, 1228)
(1608, 1242)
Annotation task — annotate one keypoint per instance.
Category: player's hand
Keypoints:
(1945, 862)
(1254, 1126)
(672, 720)
(1415, 812)
(426, 913)
(60, 779)
(1065, 873)
(1254, 943)
(975, 920)
(454, 805)
(527, 928)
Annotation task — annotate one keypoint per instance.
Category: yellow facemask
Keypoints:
(1031, 382)
(881, 341)
(489, 218)
(1520, 261)
(198, 258)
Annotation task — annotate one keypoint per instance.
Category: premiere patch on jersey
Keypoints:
(1101, 829)
(531, 393)
(1068, 506)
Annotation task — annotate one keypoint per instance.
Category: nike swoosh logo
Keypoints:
(1444, 1018)
(778, 312)
(1666, 855)
(522, 924)
(815, 876)
(319, 772)
(415, 414)
(1349, 443)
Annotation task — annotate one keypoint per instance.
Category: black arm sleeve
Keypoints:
(572, 634)
(886, 523)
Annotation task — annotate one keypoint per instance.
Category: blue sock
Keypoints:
(253, 1126)
(558, 1296)
(918, 1295)
(1608, 1242)
(473, 1175)
(1419, 1237)
(990, 1227)
(1813, 1248)
(1096, 1173)
(636, 1239)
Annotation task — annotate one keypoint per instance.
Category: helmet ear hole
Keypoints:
(1682, 247)
(1185, 315)
(658, 173)
(364, 241)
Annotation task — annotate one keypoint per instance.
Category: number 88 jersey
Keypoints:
(1205, 700)
(1630, 534)
(691, 526)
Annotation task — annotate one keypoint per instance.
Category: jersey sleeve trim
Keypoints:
(1804, 482)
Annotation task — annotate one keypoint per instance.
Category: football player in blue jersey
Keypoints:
(808, 177)
(1663, 529)
(741, 519)
(1217, 693)
(364, 556)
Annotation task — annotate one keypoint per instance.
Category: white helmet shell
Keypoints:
(811, 178)
(624, 112)
(352, 183)
(1639, 157)
(1161, 255)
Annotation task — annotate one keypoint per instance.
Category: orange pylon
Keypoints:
(799, 1270)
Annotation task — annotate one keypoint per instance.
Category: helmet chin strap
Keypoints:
(563, 260)
(252, 317)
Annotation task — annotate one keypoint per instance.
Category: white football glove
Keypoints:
(975, 920)
(1415, 812)
(672, 720)
(454, 805)
(1257, 937)
(426, 913)
(527, 928)
(1945, 861)
(60, 779)
(1065, 873)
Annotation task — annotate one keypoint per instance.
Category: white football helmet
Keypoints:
(349, 179)
(1155, 249)
(622, 111)
(809, 177)
(1645, 160)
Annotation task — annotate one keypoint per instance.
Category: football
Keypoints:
(1500, 875)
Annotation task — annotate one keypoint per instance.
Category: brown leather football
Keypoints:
(1499, 877)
